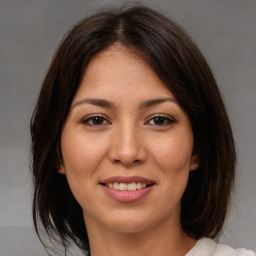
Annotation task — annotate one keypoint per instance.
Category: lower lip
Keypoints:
(127, 196)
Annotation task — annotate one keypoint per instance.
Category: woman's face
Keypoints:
(126, 145)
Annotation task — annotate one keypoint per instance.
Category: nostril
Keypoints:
(127, 154)
(127, 162)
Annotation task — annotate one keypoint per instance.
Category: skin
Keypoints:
(127, 139)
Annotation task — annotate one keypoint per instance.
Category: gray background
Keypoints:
(30, 31)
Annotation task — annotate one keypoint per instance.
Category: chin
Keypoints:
(126, 223)
(129, 228)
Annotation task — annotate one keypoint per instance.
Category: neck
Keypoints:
(157, 241)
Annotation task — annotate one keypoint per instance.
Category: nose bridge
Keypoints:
(127, 146)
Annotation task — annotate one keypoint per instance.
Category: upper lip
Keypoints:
(125, 179)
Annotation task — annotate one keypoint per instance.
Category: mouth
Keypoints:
(124, 183)
(126, 186)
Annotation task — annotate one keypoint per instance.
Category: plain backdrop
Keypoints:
(225, 31)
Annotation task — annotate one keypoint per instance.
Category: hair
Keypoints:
(177, 61)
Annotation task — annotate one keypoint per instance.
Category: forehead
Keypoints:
(118, 69)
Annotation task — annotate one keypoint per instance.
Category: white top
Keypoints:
(207, 247)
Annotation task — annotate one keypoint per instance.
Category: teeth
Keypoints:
(139, 185)
(116, 185)
(126, 186)
(123, 186)
(132, 186)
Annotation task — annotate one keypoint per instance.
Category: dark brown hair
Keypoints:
(180, 65)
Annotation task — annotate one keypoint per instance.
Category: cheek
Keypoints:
(81, 153)
(82, 156)
(173, 153)
(173, 159)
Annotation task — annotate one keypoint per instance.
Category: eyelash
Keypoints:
(100, 118)
(93, 118)
(166, 119)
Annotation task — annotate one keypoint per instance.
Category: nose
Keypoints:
(127, 146)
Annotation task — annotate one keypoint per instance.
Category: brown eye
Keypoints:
(95, 121)
(160, 120)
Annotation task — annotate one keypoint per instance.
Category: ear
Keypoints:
(194, 162)
(61, 169)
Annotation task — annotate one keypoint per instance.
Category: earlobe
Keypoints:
(194, 163)
(60, 166)
(61, 169)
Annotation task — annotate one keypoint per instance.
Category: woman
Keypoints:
(130, 139)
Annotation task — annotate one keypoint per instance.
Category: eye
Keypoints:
(160, 120)
(95, 120)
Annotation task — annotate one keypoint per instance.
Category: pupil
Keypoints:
(97, 120)
(159, 120)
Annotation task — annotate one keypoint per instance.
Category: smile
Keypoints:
(127, 189)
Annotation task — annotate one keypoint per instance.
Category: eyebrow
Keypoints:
(96, 102)
(108, 104)
(157, 101)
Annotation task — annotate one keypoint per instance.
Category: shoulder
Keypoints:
(206, 246)
(222, 249)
